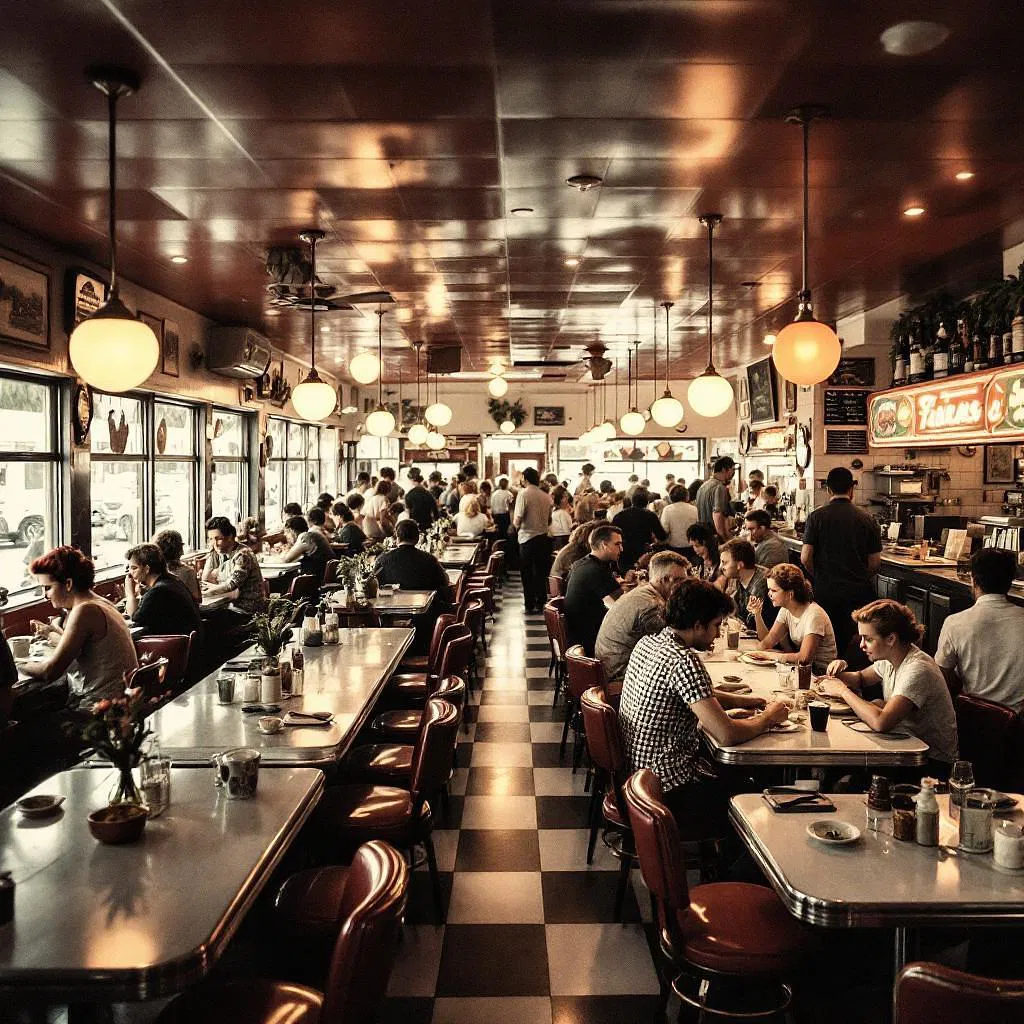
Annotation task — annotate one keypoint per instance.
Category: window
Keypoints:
(652, 458)
(144, 475)
(30, 465)
(329, 461)
(230, 447)
(293, 471)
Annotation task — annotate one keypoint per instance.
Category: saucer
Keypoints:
(39, 806)
(833, 833)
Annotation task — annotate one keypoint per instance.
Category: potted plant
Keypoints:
(371, 586)
(271, 632)
(502, 410)
(348, 575)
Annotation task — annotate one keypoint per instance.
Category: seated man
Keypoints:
(310, 548)
(592, 587)
(769, 548)
(155, 600)
(667, 697)
(639, 613)
(231, 567)
(742, 579)
(975, 648)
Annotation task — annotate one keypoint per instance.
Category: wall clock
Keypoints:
(81, 412)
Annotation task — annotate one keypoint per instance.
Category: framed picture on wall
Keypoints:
(169, 347)
(84, 293)
(790, 404)
(24, 303)
(549, 415)
(764, 407)
(1000, 464)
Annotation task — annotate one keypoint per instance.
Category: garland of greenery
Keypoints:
(501, 410)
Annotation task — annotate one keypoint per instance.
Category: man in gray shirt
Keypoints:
(531, 517)
(714, 506)
(769, 548)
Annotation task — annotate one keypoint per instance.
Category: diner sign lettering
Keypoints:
(973, 408)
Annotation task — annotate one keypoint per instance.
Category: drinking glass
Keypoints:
(784, 673)
(226, 688)
(155, 783)
(961, 782)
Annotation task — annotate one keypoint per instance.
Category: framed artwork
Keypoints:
(84, 293)
(24, 303)
(169, 347)
(549, 415)
(854, 373)
(790, 404)
(999, 464)
(761, 387)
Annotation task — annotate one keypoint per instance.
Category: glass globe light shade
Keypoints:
(113, 350)
(418, 434)
(497, 386)
(607, 430)
(667, 411)
(313, 398)
(806, 351)
(507, 427)
(365, 368)
(438, 414)
(435, 440)
(709, 394)
(632, 423)
(380, 422)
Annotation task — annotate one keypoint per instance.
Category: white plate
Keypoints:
(786, 727)
(765, 661)
(833, 833)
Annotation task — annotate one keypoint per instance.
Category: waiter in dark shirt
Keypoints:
(639, 526)
(842, 551)
(592, 588)
(158, 602)
(419, 502)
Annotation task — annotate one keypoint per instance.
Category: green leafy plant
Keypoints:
(501, 410)
(349, 569)
(272, 628)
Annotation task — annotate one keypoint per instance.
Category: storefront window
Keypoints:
(230, 492)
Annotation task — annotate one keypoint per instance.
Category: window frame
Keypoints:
(246, 503)
(309, 463)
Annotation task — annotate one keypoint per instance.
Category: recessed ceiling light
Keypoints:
(769, 338)
(325, 329)
(522, 211)
(964, 175)
(572, 262)
(584, 182)
(179, 259)
(911, 38)
(913, 211)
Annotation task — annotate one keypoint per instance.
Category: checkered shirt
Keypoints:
(663, 678)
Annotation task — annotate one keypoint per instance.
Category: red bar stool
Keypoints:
(933, 994)
(554, 620)
(582, 673)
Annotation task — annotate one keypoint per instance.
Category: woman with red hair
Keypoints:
(95, 635)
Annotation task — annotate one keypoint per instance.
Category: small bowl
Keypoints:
(269, 724)
(41, 806)
(118, 823)
(833, 833)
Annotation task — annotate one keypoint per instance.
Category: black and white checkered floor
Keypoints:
(530, 937)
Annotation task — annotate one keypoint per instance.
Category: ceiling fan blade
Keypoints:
(374, 298)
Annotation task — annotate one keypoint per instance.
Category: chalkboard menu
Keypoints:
(846, 407)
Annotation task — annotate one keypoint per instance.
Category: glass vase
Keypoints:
(125, 790)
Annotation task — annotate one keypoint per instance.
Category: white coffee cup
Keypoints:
(270, 724)
(1008, 845)
(20, 646)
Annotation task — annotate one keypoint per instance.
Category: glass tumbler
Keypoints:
(155, 779)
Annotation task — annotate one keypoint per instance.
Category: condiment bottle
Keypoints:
(803, 675)
(879, 812)
(927, 832)
(6, 897)
(298, 672)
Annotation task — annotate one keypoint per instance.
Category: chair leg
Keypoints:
(625, 867)
(435, 879)
(559, 679)
(565, 731)
(595, 818)
(579, 743)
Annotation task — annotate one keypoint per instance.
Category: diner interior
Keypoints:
(511, 511)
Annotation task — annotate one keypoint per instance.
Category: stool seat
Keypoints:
(254, 1001)
(739, 928)
(610, 810)
(387, 763)
(309, 903)
(412, 688)
(358, 813)
(413, 663)
(398, 726)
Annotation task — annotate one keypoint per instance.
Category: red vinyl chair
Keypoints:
(582, 673)
(933, 994)
(423, 662)
(554, 620)
(988, 733)
(176, 650)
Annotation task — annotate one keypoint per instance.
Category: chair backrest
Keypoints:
(150, 677)
(556, 586)
(987, 732)
(498, 545)
(471, 611)
(456, 650)
(373, 903)
(175, 649)
(453, 690)
(434, 749)
(494, 564)
(933, 994)
(331, 572)
(582, 672)
(554, 620)
(604, 737)
(306, 585)
(434, 651)
(658, 847)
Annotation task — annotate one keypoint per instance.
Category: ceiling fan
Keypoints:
(289, 270)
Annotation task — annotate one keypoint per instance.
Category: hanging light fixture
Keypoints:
(710, 394)
(418, 431)
(313, 398)
(806, 351)
(380, 422)
(507, 427)
(113, 349)
(497, 386)
(436, 440)
(365, 368)
(667, 411)
(438, 414)
(632, 422)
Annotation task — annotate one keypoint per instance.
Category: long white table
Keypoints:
(459, 556)
(96, 924)
(839, 746)
(877, 881)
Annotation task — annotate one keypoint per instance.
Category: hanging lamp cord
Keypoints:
(312, 307)
(112, 179)
(807, 136)
(380, 356)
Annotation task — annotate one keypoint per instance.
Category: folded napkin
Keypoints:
(733, 687)
(308, 718)
(785, 800)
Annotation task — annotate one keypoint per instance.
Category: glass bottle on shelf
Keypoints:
(980, 348)
(1017, 331)
(915, 370)
(995, 344)
(940, 354)
(899, 370)
(965, 340)
(928, 348)
(957, 355)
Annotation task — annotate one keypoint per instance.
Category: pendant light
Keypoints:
(313, 398)
(418, 431)
(438, 414)
(380, 422)
(113, 349)
(436, 440)
(667, 411)
(710, 394)
(497, 387)
(507, 427)
(606, 426)
(806, 351)
(633, 422)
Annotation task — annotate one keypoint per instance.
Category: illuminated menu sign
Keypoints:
(973, 408)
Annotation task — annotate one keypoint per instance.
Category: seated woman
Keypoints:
(172, 547)
(310, 549)
(561, 518)
(356, 502)
(915, 693)
(324, 502)
(472, 522)
(95, 634)
(705, 546)
(293, 508)
(802, 627)
(317, 520)
(348, 534)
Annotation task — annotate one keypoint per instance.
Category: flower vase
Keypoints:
(270, 682)
(125, 790)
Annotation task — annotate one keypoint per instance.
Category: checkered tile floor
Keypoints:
(529, 936)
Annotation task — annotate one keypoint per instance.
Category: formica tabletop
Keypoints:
(398, 602)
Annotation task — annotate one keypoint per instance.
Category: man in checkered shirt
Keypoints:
(667, 693)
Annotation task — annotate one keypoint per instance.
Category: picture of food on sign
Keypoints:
(892, 417)
(995, 404)
(1004, 404)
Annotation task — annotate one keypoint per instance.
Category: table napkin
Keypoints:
(308, 718)
(785, 800)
